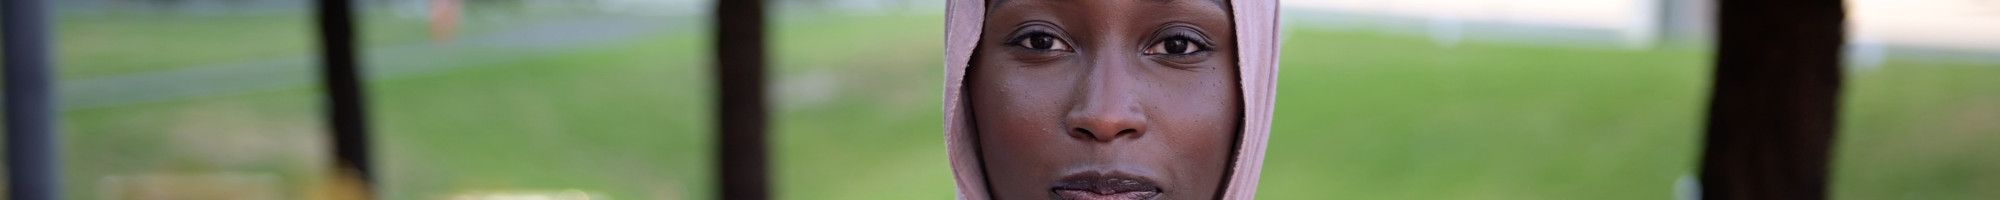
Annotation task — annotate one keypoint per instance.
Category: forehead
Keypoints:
(1218, 4)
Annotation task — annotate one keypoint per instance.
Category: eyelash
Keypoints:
(1055, 43)
(1198, 45)
(1058, 44)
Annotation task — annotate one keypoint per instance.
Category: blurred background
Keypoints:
(610, 99)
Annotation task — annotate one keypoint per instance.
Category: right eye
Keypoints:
(1042, 41)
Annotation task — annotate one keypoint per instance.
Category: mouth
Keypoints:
(1099, 186)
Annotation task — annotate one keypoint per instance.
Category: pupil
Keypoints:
(1177, 46)
(1039, 42)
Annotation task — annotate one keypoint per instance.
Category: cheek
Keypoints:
(1018, 102)
(1018, 111)
(1204, 103)
(1017, 118)
(1200, 120)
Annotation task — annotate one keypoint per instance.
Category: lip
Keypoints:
(1104, 186)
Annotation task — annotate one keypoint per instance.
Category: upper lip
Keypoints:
(1106, 184)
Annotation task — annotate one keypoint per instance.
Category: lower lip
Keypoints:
(1087, 195)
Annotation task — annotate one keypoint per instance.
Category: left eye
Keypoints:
(1174, 46)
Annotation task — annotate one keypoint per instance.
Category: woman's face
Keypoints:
(1106, 99)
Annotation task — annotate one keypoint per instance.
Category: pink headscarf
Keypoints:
(1257, 44)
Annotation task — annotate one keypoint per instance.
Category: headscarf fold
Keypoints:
(1257, 55)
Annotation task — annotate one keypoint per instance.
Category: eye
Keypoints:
(1174, 46)
(1042, 41)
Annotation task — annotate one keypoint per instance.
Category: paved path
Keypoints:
(384, 62)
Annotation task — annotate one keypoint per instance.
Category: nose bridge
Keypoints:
(1108, 106)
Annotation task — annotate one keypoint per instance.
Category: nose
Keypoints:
(1108, 106)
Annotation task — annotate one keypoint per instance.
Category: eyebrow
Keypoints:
(1224, 4)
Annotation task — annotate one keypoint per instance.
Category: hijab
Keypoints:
(1256, 25)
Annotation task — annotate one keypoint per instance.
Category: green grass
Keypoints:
(624, 120)
(859, 107)
(124, 42)
(103, 45)
(1920, 130)
(273, 133)
(1361, 116)
(1369, 116)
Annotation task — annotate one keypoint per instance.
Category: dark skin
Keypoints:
(1106, 99)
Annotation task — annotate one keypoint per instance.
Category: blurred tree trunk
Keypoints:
(1772, 113)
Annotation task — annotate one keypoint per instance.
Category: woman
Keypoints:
(1109, 99)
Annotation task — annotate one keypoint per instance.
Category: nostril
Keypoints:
(1087, 134)
(1082, 133)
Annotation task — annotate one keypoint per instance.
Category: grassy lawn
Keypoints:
(1373, 116)
(624, 120)
(1362, 116)
(859, 107)
(113, 43)
(1920, 130)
